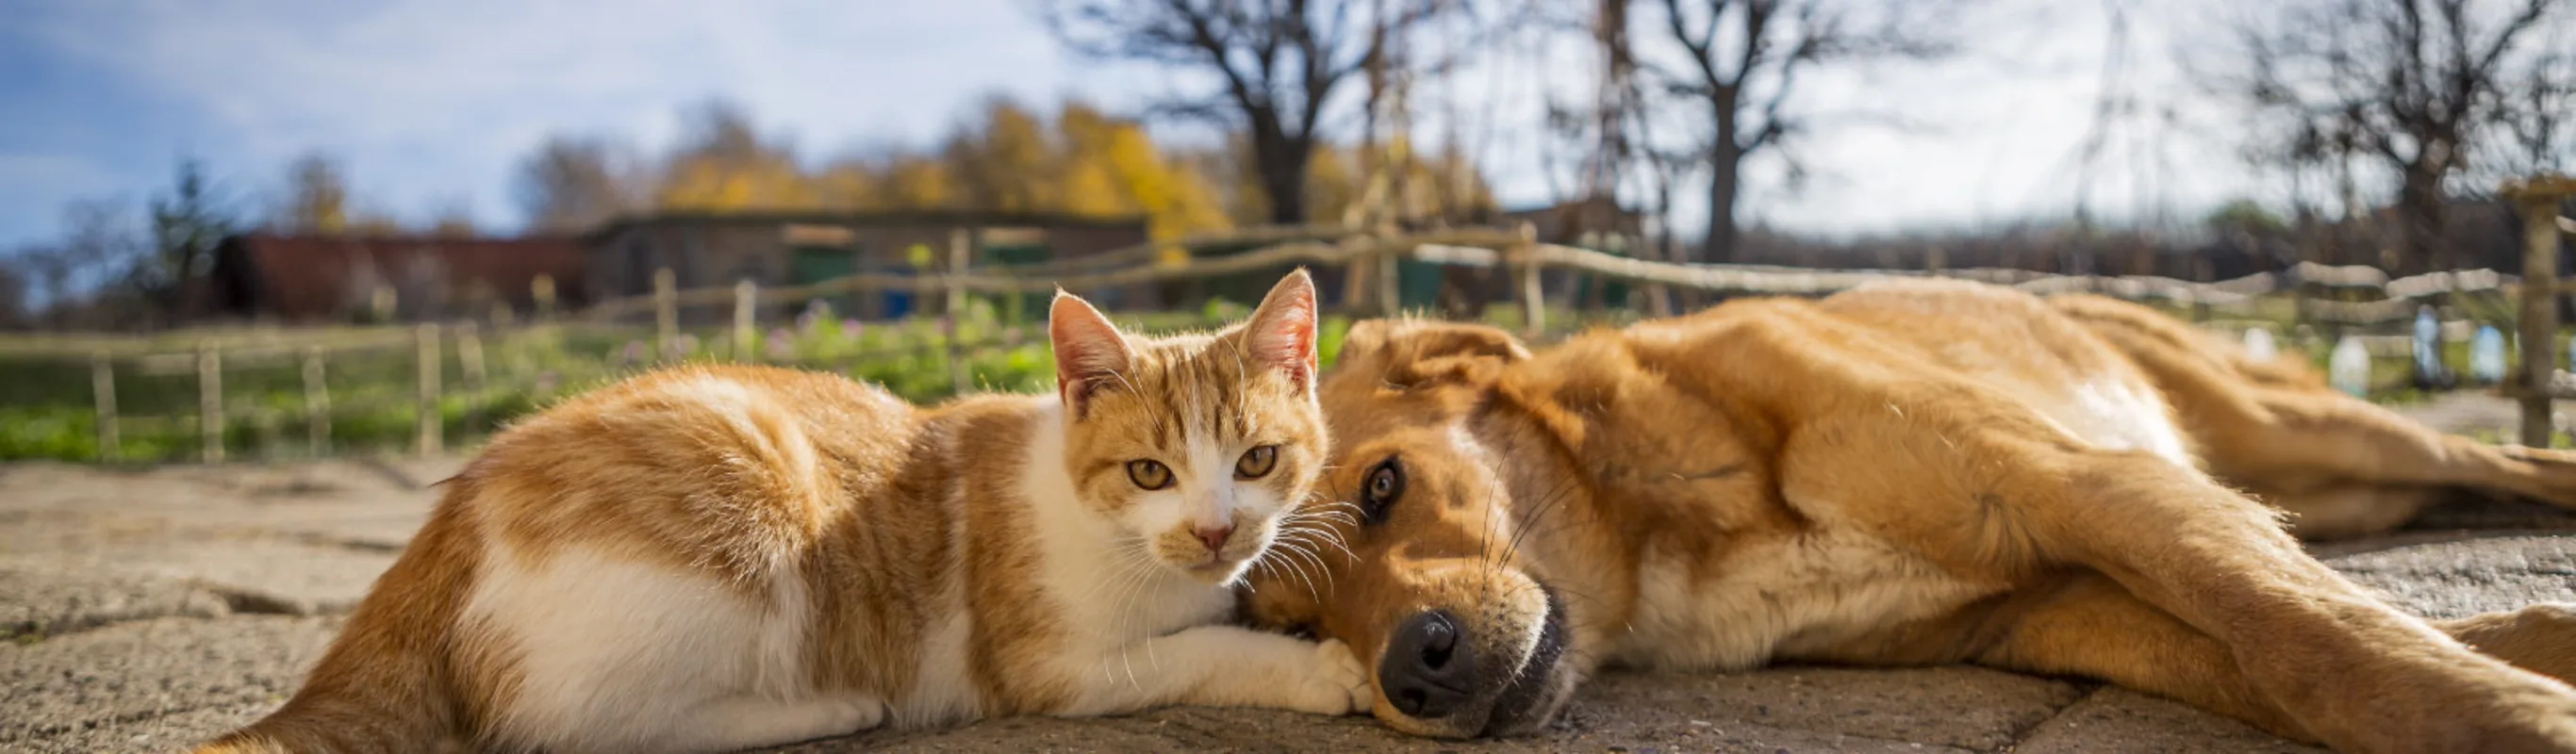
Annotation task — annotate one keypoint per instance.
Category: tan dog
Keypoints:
(1916, 473)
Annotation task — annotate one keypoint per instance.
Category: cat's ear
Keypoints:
(1281, 333)
(1089, 351)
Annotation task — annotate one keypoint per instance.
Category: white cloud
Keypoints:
(430, 101)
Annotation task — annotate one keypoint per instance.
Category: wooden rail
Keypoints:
(1514, 251)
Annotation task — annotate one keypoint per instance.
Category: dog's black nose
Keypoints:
(1427, 671)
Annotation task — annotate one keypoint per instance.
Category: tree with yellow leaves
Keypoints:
(317, 197)
(317, 202)
(726, 165)
(1111, 166)
(1007, 157)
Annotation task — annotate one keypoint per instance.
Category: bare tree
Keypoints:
(102, 239)
(1741, 62)
(101, 244)
(2543, 122)
(1279, 62)
(13, 292)
(572, 184)
(2416, 87)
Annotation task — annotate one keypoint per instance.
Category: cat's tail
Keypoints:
(386, 683)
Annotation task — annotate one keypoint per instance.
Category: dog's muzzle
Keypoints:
(1454, 683)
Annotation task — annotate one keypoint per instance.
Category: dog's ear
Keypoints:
(1412, 352)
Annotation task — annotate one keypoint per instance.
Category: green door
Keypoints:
(1417, 285)
(817, 264)
(1018, 309)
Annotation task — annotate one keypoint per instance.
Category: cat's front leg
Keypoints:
(1224, 666)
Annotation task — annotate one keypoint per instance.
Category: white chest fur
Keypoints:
(2116, 413)
(1779, 599)
(1107, 586)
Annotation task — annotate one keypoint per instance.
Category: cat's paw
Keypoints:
(1337, 682)
(857, 714)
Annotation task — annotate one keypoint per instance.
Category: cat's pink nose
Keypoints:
(1215, 536)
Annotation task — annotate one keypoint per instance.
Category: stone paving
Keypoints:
(152, 608)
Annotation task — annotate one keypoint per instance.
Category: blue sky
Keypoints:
(430, 104)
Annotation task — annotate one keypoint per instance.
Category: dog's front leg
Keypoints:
(2348, 667)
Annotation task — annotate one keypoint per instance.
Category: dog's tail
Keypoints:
(385, 685)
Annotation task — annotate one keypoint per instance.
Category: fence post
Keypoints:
(1356, 285)
(102, 384)
(960, 246)
(469, 361)
(1390, 280)
(1533, 299)
(429, 435)
(666, 312)
(317, 403)
(2204, 273)
(210, 402)
(2538, 198)
(1659, 297)
(746, 301)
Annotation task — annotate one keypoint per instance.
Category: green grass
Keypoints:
(47, 409)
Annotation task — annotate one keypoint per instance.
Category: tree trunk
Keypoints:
(2423, 223)
(1282, 162)
(1722, 232)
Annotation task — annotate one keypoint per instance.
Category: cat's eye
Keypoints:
(1385, 483)
(1257, 462)
(1148, 474)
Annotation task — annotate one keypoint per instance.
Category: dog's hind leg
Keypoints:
(2351, 468)
(2087, 625)
(2347, 666)
(2351, 510)
(2539, 638)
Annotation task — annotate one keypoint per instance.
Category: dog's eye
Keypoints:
(1304, 631)
(1149, 475)
(1385, 483)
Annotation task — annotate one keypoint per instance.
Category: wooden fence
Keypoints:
(2337, 297)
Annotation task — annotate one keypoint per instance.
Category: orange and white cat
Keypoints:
(713, 558)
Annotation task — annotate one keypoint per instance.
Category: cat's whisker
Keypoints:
(1278, 550)
(1306, 556)
(1308, 532)
(1345, 519)
(1299, 570)
(1126, 554)
(1134, 586)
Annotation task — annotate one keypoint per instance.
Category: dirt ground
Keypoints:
(151, 608)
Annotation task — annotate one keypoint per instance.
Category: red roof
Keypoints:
(326, 277)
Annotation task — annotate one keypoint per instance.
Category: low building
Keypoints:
(317, 279)
(708, 250)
